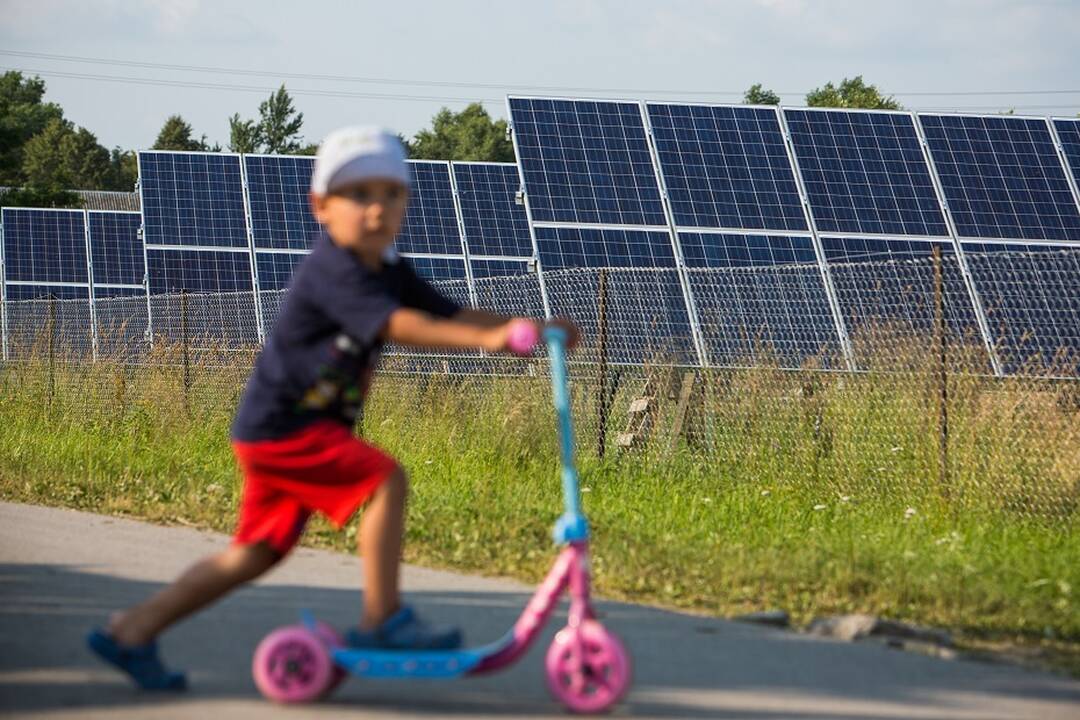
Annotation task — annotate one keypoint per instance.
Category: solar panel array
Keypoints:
(84, 257)
(814, 193)
(732, 234)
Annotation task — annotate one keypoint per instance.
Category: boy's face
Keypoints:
(364, 216)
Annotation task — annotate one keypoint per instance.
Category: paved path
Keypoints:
(61, 571)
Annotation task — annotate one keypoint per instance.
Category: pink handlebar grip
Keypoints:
(522, 337)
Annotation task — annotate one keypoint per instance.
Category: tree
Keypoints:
(280, 123)
(65, 157)
(852, 93)
(176, 134)
(277, 130)
(22, 116)
(38, 197)
(468, 135)
(243, 135)
(123, 170)
(50, 167)
(757, 95)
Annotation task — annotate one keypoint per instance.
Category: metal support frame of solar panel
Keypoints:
(199, 243)
(1006, 182)
(872, 195)
(737, 200)
(592, 193)
(46, 255)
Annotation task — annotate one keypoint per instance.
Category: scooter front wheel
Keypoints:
(587, 667)
(292, 665)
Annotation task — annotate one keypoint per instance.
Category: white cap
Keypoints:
(357, 153)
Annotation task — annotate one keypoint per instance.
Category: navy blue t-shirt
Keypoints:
(325, 344)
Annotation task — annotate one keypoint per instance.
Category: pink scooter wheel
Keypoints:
(292, 665)
(587, 667)
(522, 337)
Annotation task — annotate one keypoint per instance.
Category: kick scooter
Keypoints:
(586, 666)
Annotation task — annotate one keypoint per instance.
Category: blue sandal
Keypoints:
(141, 662)
(405, 631)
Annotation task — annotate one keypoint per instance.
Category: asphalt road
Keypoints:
(62, 571)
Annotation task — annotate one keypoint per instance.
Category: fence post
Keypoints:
(942, 374)
(602, 335)
(184, 344)
(52, 350)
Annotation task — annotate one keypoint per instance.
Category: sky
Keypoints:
(121, 67)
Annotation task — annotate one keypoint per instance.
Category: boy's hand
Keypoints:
(573, 332)
(497, 338)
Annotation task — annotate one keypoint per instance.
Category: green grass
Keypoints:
(813, 493)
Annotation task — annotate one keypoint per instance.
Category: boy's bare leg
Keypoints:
(381, 528)
(200, 585)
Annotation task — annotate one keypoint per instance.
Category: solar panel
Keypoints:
(121, 315)
(192, 199)
(278, 188)
(198, 271)
(1031, 295)
(727, 250)
(499, 268)
(45, 246)
(726, 167)
(865, 172)
(276, 268)
(203, 295)
(644, 314)
(47, 320)
(887, 292)
(116, 292)
(116, 250)
(431, 222)
(1002, 177)
(1068, 132)
(586, 161)
(16, 293)
(495, 225)
(507, 287)
(602, 247)
(435, 269)
(759, 299)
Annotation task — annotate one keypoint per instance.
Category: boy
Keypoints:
(293, 431)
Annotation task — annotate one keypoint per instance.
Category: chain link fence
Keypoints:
(922, 415)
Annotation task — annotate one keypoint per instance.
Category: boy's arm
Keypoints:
(483, 318)
(468, 328)
(480, 318)
(407, 326)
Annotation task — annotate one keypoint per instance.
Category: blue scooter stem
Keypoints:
(572, 526)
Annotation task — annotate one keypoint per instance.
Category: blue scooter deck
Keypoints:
(378, 663)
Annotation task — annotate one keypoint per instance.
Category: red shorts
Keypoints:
(321, 467)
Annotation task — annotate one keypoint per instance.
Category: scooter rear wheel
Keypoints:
(587, 667)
